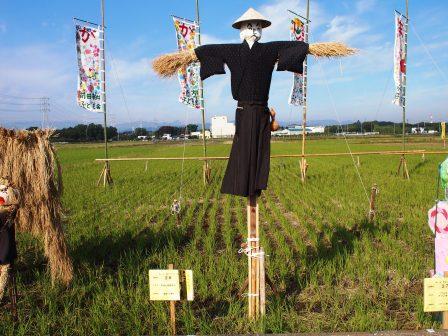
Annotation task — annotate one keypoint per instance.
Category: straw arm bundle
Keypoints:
(168, 64)
(29, 162)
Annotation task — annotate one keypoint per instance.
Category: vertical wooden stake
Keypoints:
(253, 244)
(358, 162)
(172, 309)
(146, 166)
(445, 313)
(372, 210)
(262, 284)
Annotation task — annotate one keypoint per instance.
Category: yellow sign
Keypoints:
(189, 284)
(443, 132)
(164, 285)
(435, 296)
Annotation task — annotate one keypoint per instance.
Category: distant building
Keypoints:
(297, 130)
(418, 130)
(198, 134)
(167, 137)
(221, 128)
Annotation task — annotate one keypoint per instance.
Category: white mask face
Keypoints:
(250, 32)
(4, 196)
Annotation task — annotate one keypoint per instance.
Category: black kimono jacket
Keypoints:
(251, 72)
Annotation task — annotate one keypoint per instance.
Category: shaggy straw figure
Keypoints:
(29, 161)
(168, 64)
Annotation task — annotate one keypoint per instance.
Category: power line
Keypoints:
(17, 97)
(12, 103)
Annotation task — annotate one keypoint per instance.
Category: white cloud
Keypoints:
(132, 70)
(363, 6)
(345, 29)
(276, 12)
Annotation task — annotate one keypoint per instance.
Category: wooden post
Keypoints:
(373, 194)
(358, 162)
(172, 309)
(445, 313)
(262, 284)
(253, 245)
(146, 166)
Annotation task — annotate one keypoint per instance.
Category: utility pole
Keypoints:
(45, 109)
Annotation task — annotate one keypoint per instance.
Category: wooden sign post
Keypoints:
(165, 285)
(435, 297)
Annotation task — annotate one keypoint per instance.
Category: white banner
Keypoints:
(400, 59)
(187, 39)
(89, 69)
(297, 33)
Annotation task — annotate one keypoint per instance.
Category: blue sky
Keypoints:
(38, 58)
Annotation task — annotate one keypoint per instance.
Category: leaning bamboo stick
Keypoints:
(280, 156)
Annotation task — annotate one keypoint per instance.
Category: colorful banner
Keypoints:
(189, 78)
(297, 33)
(400, 59)
(89, 65)
(443, 132)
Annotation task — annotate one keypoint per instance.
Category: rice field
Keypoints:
(334, 270)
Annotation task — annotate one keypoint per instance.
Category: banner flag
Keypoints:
(89, 95)
(400, 59)
(443, 131)
(189, 79)
(297, 33)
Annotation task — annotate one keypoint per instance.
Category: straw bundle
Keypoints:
(4, 277)
(330, 49)
(29, 161)
(168, 64)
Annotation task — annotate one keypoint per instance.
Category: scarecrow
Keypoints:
(8, 251)
(251, 64)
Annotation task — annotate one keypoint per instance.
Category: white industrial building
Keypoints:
(221, 128)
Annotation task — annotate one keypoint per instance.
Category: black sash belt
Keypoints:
(245, 103)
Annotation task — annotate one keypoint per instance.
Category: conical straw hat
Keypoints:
(251, 15)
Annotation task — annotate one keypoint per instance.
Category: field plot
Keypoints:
(334, 271)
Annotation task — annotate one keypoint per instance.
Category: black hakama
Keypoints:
(8, 248)
(251, 72)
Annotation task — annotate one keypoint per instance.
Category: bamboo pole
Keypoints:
(107, 176)
(253, 245)
(303, 163)
(262, 283)
(172, 309)
(403, 164)
(280, 156)
(206, 168)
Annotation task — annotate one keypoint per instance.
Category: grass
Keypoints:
(334, 270)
